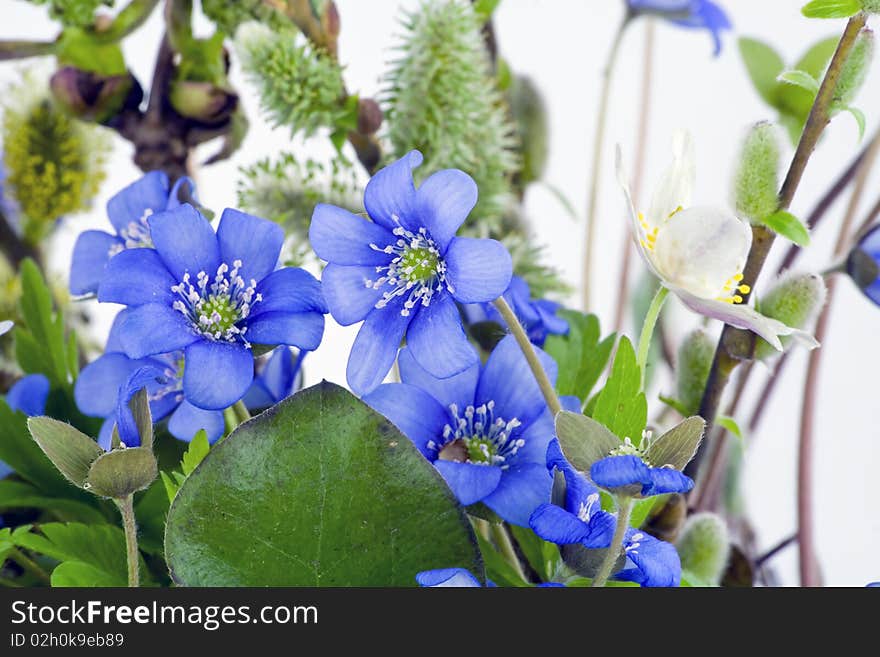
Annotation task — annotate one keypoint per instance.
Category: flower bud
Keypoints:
(530, 114)
(794, 301)
(202, 101)
(93, 97)
(863, 264)
(855, 70)
(692, 369)
(122, 472)
(757, 175)
(704, 548)
(369, 118)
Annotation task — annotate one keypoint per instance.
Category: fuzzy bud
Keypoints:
(694, 362)
(202, 101)
(704, 547)
(369, 116)
(794, 301)
(855, 70)
(93, 97)
(757, 175)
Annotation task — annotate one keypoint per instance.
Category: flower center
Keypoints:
(634, 543)
(216, 309)
(585, 511)
(416, 272)
(627, 448)
(478, 437)
(135, 235)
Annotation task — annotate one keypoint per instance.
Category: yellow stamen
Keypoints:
(738, 277)
(737, 298)
(745, 289)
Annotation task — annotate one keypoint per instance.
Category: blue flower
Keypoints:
(872, 585)
(537, 316)
(403, 272)
(28, 395)
(649, 561)
(211, 295)
(129, 211)
(98, 384)
(449, 577)
(277, 377)
(863, 264)
(486, 429)
(630, 475)
(693, 14)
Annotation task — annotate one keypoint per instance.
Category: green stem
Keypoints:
(624, 510)
(126, 509)
(596, 171)
(502, 540)
(648, 330)
(29, 565)
(528, 350)
(9, 583)
(241, 412)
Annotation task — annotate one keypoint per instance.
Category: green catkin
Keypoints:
(704, 547)
(794, 300)
(694, 361)
(854, 72)
(871, 6)
(756, 180)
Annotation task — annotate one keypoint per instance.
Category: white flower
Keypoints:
(699, 252)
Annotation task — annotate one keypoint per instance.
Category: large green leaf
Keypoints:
(580, 354)
(621, 405)
(22, 495)
(763, 64)
(317, 491)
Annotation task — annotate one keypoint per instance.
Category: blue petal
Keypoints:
(618, 471)
(340, 237)
(656, 562)
(437, 340)
(279, 372)
(391, 193)
(375, 348)
(256, 242)
(216, 374)
(447, 577)
(97, 386)
(150, 192)
(188, 420)
(289, 289)
(142, 377)
(114, 340)
(154, 329)
(185, 242)
(29, 395)
(444, 200)
(91, 253)
(258, 396)
(523, 488)
(519, 297)
(667, 480)
(135, 277)
(537, 436)
(547, 316)
(557, 525)
(470, 483)
(477, 269)
(105, 435)
(508, 380)
(458, 389)
(578, 488)
(303, 330)
(174, 195)
(419, 416)
(570, 403)
(348, 296)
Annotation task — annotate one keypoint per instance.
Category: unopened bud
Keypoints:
(855, 70)
(369, 116)
(794, 301)
(863, 264)
(122, 472)
(692, 369)
(704, 548)
(202, 101)
(93, 97)
(757, 175)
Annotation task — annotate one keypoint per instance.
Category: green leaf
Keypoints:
(621, 405)
(677, 446)
(674, 404)
(730, 425)
(763, 65)
(79, 574)
(580, 355)
(583, 440)
(497, 568)
(198, 450)
(816, 59)
(642, 509)
(40, 348)
(77, 48)
(70, 450)
(831, 8)
(484, 8)
(541, 555)
(318, 490)
(784, 223)
(859, 116)
(800, 79)
(150, 509)
(796, 102)
(22, 495)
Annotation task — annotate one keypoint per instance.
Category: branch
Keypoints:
(22, 49)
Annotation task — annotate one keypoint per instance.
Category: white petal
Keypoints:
(700, 248)
(677, 183)
(637, 233)
(745, 317)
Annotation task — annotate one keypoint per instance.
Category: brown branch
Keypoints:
(21, 49)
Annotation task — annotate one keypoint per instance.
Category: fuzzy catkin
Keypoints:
(757, 175)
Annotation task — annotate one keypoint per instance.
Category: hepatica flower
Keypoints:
(537, 316)
(449, 577)
(692, 14)
(649, 561)
(863, 264)
(626, 471)
(278, 375)
(699, 252)
(486, 429)
(129, 212)
(403, 272)
(212, 296)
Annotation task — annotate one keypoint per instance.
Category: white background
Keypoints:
(562, 46)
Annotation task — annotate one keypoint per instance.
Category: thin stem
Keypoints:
(596, 170)
(126, 509)
(648, 330)
(502, 540)
(529, 352)
(29, 565)
(241, 411)
(638, 172)
(776, 549)
(624, 510)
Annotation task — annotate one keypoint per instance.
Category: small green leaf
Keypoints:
(788, 226)
(143, 419)
(77, 48)
(831, 8)
(70, 450)
(541, 555)
(21, 495)
(642, 509)
(674, 404)
(677, 446)
(580, 354)
(763, 64)
(621, 405)
(484, 8)
(497, 568)
(816, 59)
(198, 449)
(800, 79)
(43, 345)
(859, 116)
(731, 425)
(122, 472)
(583, 440)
